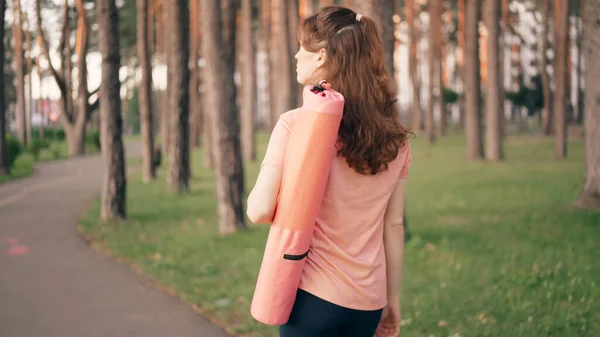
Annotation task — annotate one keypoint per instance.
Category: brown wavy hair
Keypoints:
(370, 130)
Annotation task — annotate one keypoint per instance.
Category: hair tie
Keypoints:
(358, 17)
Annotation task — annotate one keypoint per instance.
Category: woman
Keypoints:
(350, 285)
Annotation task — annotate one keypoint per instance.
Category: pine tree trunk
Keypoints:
(248, 70)
(460, 65)
(433, 8)
(590, 196)
(195, 103)
(413, 66)
(114, 184)
(493, 111)
(472, 81)
(440, 57)
(280, 70)
(179, 73)
(292, 30)
(581, 76)
(547, 110)
(221, 98)
(560, 71)
(145, 91)
(165, 114)
(29, 113)
(4, 168)
(19, 75)
(81, 49)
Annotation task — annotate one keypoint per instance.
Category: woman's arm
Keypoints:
(393, 240)
(262, 200)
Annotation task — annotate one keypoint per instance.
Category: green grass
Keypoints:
(22, 167)
(496, 249)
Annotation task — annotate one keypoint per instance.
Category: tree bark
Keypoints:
(580, 76)
(547, 110)
(472, 81)
(18, 57)
(73, 123)
(435, 14)
(221, 97)
(493, 111)
(413, 66)
(590, 196)
(165, 113)
(248, 70)
(280, 70)
(29, 112)
(460, 64)
(177, 59)
(145, 91)
(81, 48)
(560, 68)
(440, 60)
(114, 183)
(4, 168)
(195, 103)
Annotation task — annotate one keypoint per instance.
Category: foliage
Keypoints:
(132, 117)
(13, 149)
(450, 96)
(530, 97)
(35, 145)
(496, 252)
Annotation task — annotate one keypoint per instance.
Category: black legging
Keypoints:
(314, 317)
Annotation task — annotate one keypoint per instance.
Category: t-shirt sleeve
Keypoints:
(407, 162)
(275, 154)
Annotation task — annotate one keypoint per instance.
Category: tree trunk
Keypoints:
(382, 12)
(280, 70)
(505, 63)
(165, 114)
(580, 76)
(460, 64)
(4, 168)
(81, 48)
(221, 98)
(145, 91)
(590, 196)
(493, 111)
(435, 14)
(114, 184)
(413, 66)
(547, 110)
(248, 70)
(560, 71)
(472, 81)
(440, 60)
(73, 123)
(29, 111)
(19, 75)
(195, 103)
(177, 59)
(292, 19)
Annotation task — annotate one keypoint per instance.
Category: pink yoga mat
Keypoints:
(309, 155)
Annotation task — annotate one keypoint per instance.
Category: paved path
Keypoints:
(53, 285)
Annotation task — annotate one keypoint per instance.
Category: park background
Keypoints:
(502, 203)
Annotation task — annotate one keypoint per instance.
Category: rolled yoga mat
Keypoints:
(308, 159)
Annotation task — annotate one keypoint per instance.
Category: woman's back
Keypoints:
(346, 262)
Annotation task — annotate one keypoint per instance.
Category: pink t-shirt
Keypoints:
(346, 263)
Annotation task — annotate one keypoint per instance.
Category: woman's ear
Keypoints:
(322, 57)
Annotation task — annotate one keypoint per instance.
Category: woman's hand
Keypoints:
(389, 326)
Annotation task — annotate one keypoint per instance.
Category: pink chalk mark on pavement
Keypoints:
(12, 241)
(17, 250)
